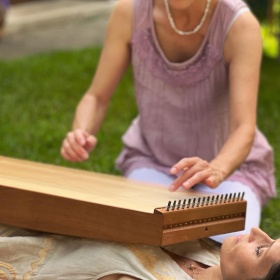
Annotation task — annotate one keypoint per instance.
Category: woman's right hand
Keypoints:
(77, 145)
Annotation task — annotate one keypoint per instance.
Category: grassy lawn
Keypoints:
(39, 95)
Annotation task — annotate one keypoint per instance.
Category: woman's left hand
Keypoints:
(193, 171)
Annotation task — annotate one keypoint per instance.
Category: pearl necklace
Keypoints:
(172, 23)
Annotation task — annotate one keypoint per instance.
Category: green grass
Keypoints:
(268, 121)
(38, 99)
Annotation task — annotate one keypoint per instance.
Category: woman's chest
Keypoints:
(177, 48)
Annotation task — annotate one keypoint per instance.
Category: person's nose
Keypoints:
(259, 236)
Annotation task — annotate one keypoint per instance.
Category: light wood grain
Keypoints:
(93, 205)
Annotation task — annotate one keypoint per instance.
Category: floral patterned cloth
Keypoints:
(27, 255)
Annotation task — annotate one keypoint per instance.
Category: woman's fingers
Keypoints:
(184, 164)
(195, 171)
(73, 152)
(77, 145)
(214, 180)
(190, 178)
(91, 142)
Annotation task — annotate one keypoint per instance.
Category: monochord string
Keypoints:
(203, 201)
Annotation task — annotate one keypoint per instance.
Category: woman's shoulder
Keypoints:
(237, 16)
(245, 22)
(233, 5)
(123, 8)
(120, 22)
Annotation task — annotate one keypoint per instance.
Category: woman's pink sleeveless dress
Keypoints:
(184, 107)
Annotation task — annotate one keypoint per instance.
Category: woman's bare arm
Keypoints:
(243, 52)
(91, 110)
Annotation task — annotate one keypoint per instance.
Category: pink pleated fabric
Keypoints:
(184, 107)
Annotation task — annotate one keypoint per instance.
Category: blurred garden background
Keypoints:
(39, 93)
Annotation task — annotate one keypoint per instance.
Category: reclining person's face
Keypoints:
(249, 256)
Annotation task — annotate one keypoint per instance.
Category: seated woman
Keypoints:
(39, 256)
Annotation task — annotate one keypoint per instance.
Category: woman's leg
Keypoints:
(150, 175)
(253, 213)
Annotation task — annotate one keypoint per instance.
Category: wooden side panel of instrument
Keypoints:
(77, 218)
(201, 230)
(201, 221)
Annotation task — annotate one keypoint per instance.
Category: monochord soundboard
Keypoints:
(81, 203)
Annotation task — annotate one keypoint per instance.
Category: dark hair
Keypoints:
(273, 274)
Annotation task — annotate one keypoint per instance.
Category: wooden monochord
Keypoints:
(82, 203)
